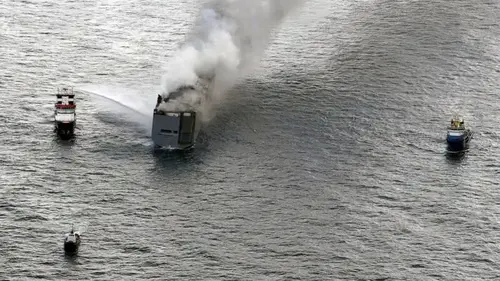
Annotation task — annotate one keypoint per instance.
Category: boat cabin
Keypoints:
(72, 237)
(65, 98)
(65, 105)
(457, 123)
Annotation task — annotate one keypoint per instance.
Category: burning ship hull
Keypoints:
(65, 113)
(175, 130)
(175, 120)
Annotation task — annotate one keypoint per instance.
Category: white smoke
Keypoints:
(228, 39)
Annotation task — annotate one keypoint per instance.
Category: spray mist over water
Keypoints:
(228, 39)
(135, 105)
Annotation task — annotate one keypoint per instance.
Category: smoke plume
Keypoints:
(228, 39)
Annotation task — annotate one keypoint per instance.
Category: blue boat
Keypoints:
(458, 135)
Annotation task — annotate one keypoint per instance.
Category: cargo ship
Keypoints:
(175, 123)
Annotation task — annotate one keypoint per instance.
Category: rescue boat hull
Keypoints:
(72, 244)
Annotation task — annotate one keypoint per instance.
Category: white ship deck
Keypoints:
(65, 117)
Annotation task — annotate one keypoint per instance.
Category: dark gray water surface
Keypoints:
(327, 163)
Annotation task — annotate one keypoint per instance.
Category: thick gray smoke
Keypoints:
(228, 39)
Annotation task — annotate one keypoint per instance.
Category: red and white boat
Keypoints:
(65, 112)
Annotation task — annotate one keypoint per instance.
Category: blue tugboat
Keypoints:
(458, 136)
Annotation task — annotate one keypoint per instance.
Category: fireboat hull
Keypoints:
(65, 130)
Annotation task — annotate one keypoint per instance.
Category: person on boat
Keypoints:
(454, 124)
(158, 100)
(68, 235)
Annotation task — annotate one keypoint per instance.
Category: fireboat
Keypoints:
(65, 113)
